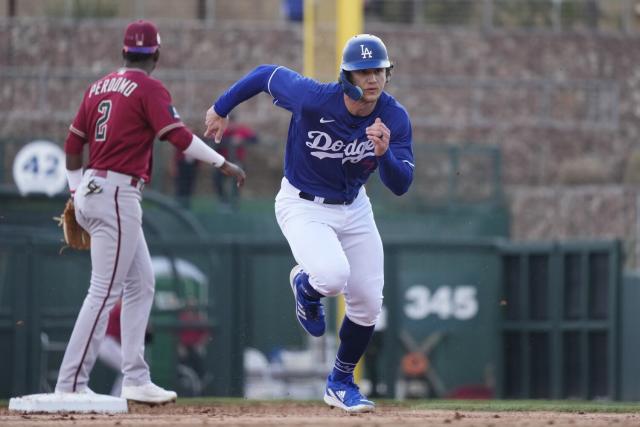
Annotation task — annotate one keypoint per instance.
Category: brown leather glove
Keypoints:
(75, 236)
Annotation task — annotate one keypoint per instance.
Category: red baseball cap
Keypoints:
(141, 37)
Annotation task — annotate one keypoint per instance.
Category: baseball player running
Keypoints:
(339, 134)
(120, 117)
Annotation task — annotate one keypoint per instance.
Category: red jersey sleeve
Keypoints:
(77, 130)
(73, 144)
(180, 138)
(162, 116)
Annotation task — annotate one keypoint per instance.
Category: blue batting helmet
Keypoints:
(364, 51)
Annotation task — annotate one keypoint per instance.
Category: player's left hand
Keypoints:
(233, 170)
(379, 134)
(215, 124)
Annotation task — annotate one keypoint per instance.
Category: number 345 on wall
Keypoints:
(446, 302)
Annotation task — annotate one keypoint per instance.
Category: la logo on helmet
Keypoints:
(365, 52)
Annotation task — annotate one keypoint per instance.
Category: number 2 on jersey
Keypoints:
(104, 108)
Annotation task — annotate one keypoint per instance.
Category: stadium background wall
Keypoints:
(559, 110)
(566, 123)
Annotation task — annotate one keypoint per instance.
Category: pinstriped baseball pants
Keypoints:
(121, 265)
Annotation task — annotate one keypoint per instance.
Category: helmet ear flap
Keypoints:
(388, 72)
(352, 91)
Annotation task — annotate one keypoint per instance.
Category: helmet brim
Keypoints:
(366, 64)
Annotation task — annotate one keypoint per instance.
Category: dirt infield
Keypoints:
(312, 414)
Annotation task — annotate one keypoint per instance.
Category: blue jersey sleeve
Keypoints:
(254, 82)
(287, 88)
(396, 164)
(290, 89)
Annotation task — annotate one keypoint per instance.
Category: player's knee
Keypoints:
(367, 312)
(332, 280)
(374, 315)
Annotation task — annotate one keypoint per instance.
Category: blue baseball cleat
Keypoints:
(346, 395)
(310, 313)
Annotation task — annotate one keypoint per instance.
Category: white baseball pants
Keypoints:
(121, 264)
(338, 246)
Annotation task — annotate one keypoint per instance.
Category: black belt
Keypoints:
(312, 198)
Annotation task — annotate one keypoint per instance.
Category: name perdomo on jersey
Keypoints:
(115, 84)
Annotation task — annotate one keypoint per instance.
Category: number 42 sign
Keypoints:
(39, 167)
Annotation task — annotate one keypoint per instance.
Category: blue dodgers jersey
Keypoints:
(328, 153)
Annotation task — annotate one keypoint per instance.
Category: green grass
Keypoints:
(456, 405)
(528, 405)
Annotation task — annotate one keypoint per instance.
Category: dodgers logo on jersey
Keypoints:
(365, 52)
(327, 148)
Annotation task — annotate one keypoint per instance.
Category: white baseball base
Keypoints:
(69, 402)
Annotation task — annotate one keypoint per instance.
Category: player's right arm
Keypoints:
(287, 87)
(73, 146)
(195, 147)
(166, 122)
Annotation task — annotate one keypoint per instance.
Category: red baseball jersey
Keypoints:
(120, 117)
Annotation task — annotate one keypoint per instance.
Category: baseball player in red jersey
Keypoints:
(120, 117)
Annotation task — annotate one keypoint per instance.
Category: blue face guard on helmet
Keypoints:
(362, 52)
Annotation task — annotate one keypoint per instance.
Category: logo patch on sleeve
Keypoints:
(173, 112)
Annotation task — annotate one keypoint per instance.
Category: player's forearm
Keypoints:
(184, 140)
(396, 174)
(201, 151)
(73, 146)
(74, 171)
(248, 86)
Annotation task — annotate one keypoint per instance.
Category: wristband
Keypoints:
(73, 178)
(201, 151)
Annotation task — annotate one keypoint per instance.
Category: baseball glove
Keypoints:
(75, 236)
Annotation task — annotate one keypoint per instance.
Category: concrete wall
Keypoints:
(563, 107)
